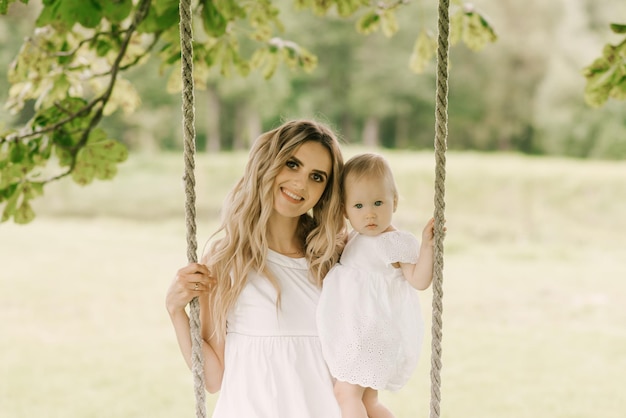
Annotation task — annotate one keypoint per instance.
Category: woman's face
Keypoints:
(302, 180)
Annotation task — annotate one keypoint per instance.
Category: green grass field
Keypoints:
(534, 282)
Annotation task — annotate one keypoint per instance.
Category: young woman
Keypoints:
(259, 282)
(369, 316)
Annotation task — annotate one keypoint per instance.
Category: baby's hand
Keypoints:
(428, 234)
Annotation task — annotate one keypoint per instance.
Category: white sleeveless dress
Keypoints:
(369, 318)
(274, 366)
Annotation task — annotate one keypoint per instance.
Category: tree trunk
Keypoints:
(254, 126)
(347, 129)
(248, 126)
(213, 137)
(402, 140)
(371, 132)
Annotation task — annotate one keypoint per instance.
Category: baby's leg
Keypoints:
(350, 399)
(374, 408)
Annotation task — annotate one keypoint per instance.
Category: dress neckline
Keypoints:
(286, 261)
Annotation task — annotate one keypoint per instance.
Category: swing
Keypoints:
(441, 134)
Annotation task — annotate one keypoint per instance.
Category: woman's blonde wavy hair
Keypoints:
(244, 247)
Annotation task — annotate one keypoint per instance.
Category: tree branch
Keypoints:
(102, 100)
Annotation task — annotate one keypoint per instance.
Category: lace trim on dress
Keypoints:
(398, 247)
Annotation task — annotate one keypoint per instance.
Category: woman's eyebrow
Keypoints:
(322, 172)
(297, 161)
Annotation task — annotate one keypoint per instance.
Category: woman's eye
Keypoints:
(317, 178)
(291, 164)
(378, 203)
(359, 205)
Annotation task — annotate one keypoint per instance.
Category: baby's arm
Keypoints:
(420, 275)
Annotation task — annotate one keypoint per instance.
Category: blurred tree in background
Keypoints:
(76, 69)
(524, 92)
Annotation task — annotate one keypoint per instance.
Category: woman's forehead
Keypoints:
(314, 155)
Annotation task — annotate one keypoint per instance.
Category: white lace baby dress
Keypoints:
(274, 366)
(369, 318)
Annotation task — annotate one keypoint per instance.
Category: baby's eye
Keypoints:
(291, 164)
(359, 205)
(378, 203)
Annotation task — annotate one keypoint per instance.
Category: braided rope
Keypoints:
(441, 134)
(189, 147)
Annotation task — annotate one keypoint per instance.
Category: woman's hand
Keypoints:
(190, 281)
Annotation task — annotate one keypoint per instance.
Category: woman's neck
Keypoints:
(282, 236)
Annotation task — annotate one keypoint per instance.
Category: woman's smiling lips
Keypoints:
(291, 196)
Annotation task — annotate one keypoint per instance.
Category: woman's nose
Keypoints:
(299, 181)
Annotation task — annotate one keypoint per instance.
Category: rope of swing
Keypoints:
(441, 134)
(189, 148)
(441, 137)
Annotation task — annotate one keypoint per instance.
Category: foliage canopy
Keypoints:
(606, 76)
(72, 65)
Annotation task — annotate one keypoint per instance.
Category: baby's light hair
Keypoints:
(367, 166)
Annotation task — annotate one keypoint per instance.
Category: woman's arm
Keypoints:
(192, 281)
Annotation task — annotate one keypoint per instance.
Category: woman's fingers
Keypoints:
(189, 282)
(193, 268)
(195, 277)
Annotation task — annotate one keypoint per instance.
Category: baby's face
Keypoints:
(369, 204)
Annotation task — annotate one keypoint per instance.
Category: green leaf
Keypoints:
(347, 7)
(33, 189)
(242, 66)
(618, 92)
(64, 156)
(389, 23)
(259, 57)
(88, 13)
(229, 9)
(7, 191)
(609, 52)
(162, 15)
(98, 158)
(456, 27)
(477, 31)
(48, 14)
(368, 23)
(606, 76)
(116, 11)
(599, 65)
(213, 21)
(16, 152)
(161, 7)
(60, 111)
(10, 174)
(307, 60)
(24, 214)
(423, 51)
(64, 59)
(102, 46)
(618, 28)
(271, 65)
(598, 85)
(4, 5)
(12, 196)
